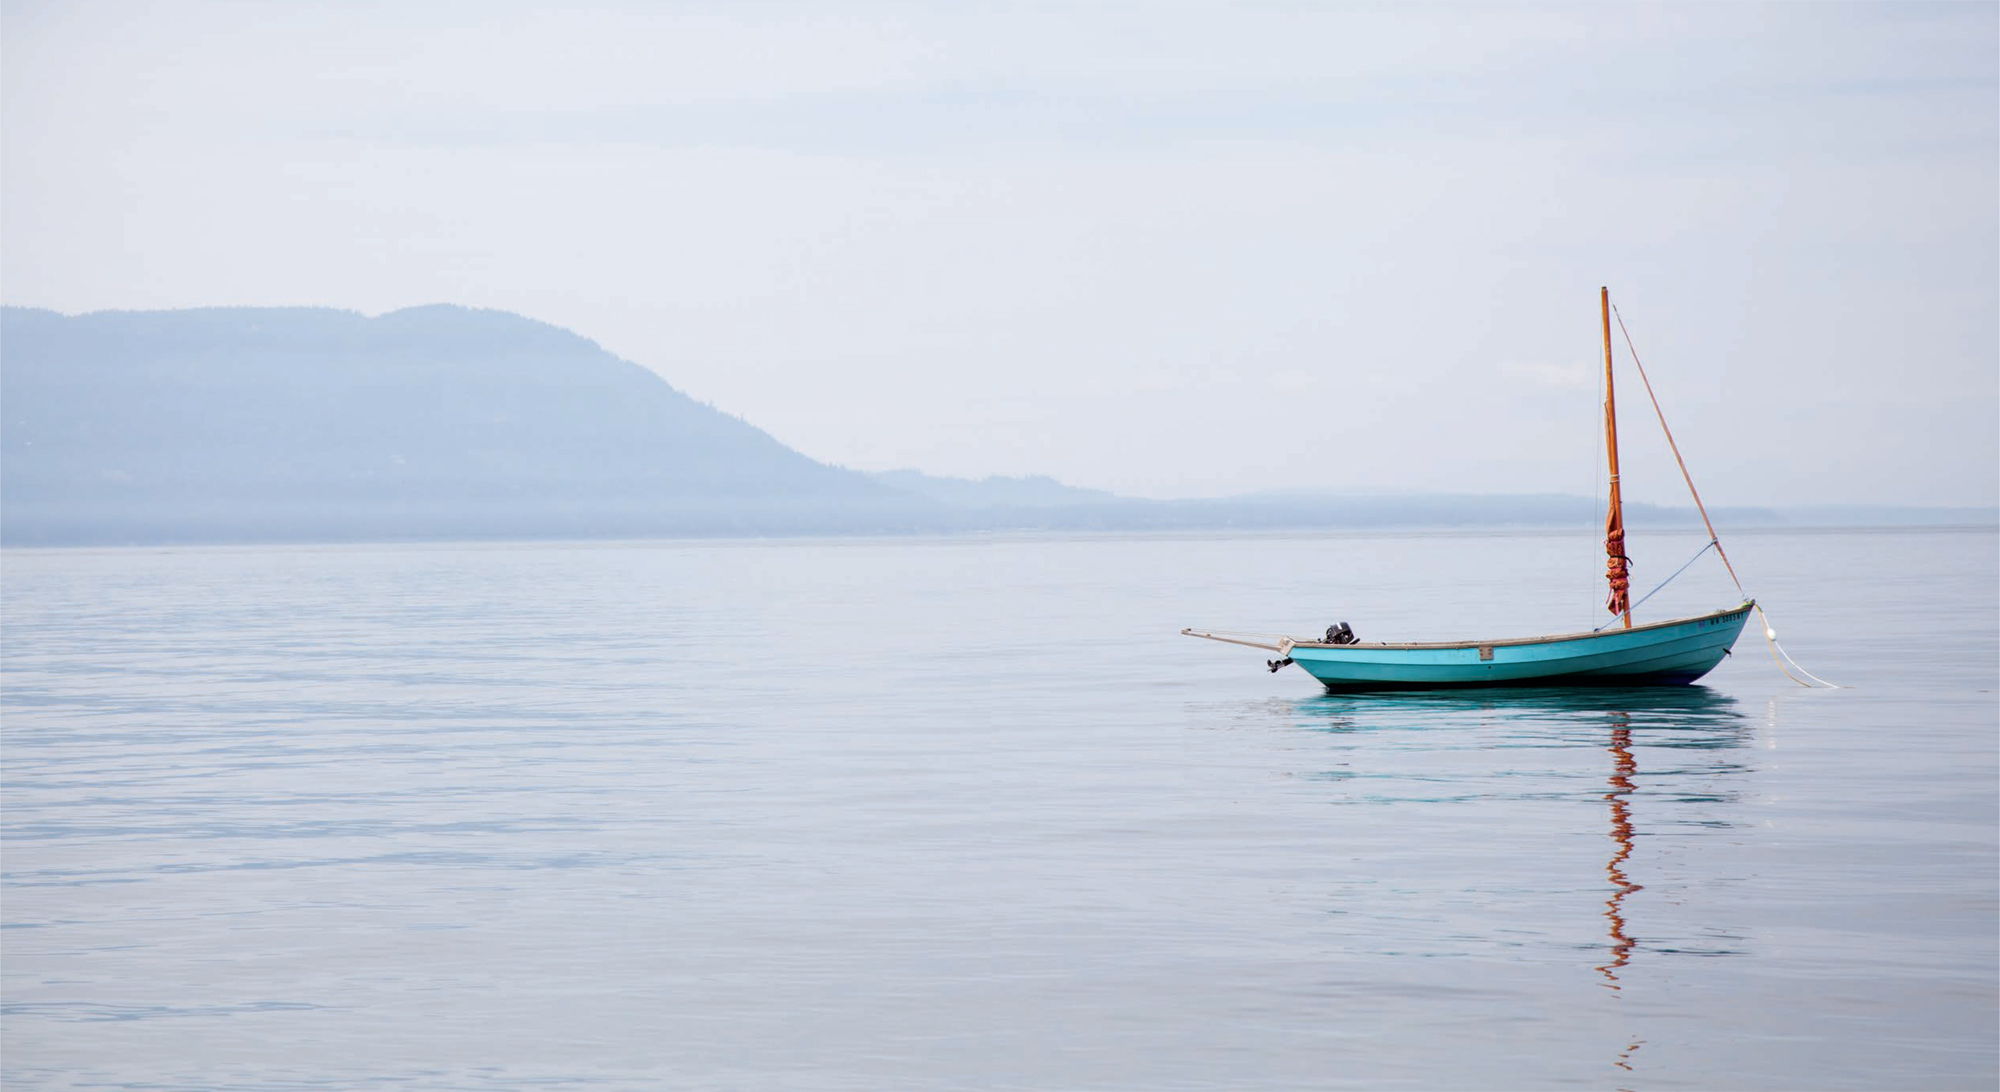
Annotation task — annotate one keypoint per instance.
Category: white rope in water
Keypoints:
(1771, 638)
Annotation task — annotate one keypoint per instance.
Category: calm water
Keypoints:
(970, 814)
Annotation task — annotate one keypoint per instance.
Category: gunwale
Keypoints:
(1509, 642)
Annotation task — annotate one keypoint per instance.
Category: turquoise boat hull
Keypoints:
(1662, 653)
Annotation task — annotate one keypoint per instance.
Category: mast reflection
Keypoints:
(1623, 767)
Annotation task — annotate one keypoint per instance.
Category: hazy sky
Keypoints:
(1168, 250)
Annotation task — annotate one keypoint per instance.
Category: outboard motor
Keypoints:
(1340, 634)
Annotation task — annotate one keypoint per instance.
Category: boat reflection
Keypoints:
(1699, 716)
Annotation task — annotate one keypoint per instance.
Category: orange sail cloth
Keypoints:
(1615, 567)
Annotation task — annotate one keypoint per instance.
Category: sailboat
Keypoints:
(1676, 651)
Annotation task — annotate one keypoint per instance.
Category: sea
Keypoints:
(972, 813)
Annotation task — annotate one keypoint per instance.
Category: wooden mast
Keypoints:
(1615, 570)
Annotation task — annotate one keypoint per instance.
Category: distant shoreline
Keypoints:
(242, 426)
(1992, 525)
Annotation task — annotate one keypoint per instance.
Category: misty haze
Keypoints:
(868, 547)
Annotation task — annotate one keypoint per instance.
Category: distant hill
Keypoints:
(1078, 511)
(300, 424)
(304, 424)
(1034, 491)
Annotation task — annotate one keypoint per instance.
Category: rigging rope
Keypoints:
(1668, 580)
(1597, 475)
(1770, 634)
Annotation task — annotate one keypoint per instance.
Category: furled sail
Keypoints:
(1617, 565)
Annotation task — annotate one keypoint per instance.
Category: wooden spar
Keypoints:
(1614, 517)
(1275, 644)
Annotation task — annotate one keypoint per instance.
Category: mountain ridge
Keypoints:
(436, 421)
(314, 424)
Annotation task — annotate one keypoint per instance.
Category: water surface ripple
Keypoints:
(967, 813)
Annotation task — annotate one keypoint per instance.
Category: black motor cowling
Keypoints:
(1340, 634)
